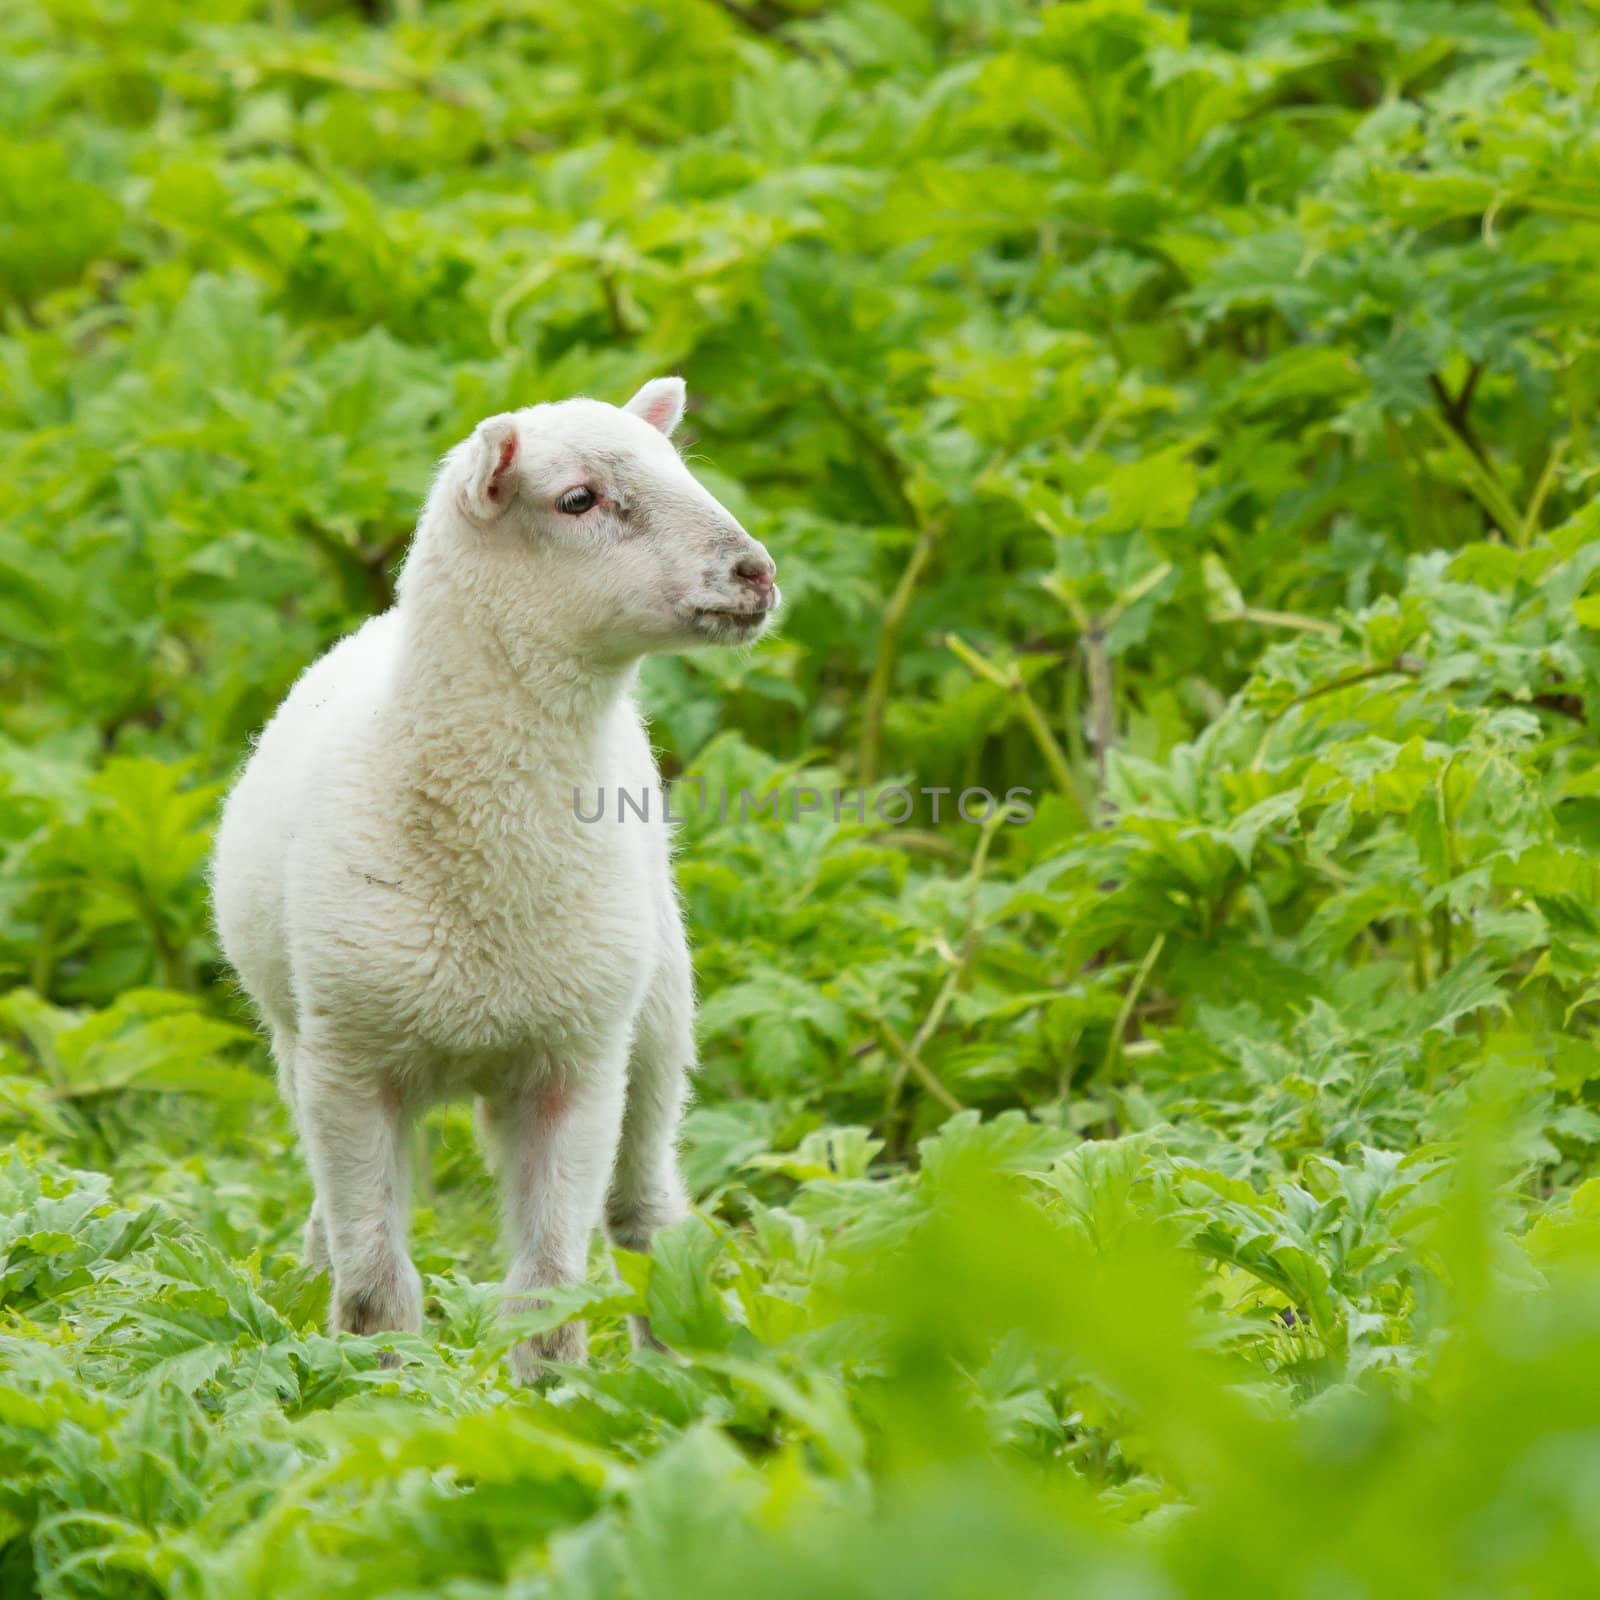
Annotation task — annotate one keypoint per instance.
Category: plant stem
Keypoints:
(1061, 773)
(1456, 409)
(1541, 490)
(1126, 601)
(958, 967)
(1102, 710)
(1129, 1001)
(1286, 619)
(870, 750)
(1479, 477)
(918, 1068)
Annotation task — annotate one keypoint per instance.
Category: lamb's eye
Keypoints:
(576, 501)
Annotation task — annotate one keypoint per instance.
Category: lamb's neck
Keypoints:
(476, 702)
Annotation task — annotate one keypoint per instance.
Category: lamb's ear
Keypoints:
(490, 484)
(660, 402)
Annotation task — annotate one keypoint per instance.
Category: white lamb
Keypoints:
(404, 886)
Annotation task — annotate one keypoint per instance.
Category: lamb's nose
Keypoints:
(757, 571)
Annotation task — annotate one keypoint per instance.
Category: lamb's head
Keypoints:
(587, 512)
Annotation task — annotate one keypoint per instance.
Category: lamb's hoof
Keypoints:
(390, 1305)
(567, 1345)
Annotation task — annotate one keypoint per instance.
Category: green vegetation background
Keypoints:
(1187, 414)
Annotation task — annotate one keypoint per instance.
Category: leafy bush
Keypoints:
(1182, 415)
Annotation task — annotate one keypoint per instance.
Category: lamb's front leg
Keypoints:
(354, 1124)
(557, 1139)
(647, 1191)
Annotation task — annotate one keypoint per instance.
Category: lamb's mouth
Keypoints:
(745, 622)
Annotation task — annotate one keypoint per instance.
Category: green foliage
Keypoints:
(1184, 414)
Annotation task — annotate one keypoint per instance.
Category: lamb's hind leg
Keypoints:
(354, 1125)
(314, 1242)
(647, 1189)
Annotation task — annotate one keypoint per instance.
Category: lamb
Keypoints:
(406, 892)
